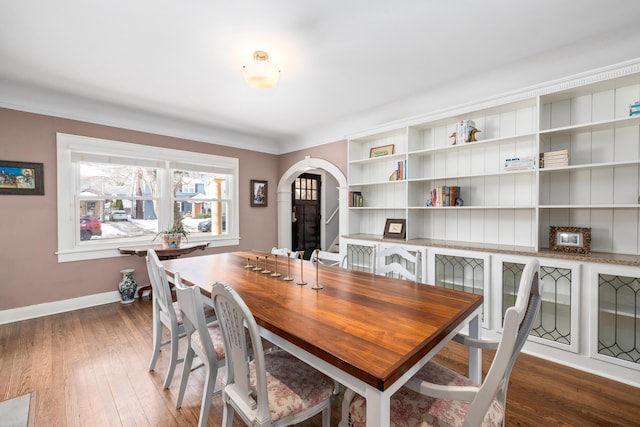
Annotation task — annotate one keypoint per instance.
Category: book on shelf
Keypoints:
(554, 159)
(444, 196)
(402, 170)
(355, 199)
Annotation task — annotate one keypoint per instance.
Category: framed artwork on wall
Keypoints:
(21, 178)
(259, 193)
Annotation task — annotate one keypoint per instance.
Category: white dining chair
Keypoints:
(204, 341)
(270, 389)
(166, 313)
(396, 261)
(282, 252)
(438, 396)
(328, 258)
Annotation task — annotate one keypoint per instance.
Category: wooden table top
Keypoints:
(162, 250)
(373, 327)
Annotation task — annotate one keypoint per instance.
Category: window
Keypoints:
(113, 194)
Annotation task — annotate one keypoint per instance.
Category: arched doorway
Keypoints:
(284, 198)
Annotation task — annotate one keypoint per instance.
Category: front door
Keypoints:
(305, 215)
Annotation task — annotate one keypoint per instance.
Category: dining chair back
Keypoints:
(396, 261)
(203, 340)
(273, 388)
(165, 312)
(282, 252)
(328, 258)
(439, 396)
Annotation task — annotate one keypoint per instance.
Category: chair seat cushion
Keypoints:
(410, 409)
(216, 338)
(292, 385)
(209, 312)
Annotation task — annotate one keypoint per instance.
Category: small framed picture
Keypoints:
(395, 228)
(575, 240)
(259, 193)
(385, 150)
(21, 178)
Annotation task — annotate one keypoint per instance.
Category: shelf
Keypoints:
(629, 206)
(591, 166)
(475, 175)
(468, 145)
(369, 184)
(374, 208)
(377, 159)
(468, 207)
(594, 126)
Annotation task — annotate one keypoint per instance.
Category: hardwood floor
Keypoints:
(89, 367)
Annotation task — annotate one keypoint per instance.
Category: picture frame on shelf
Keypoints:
(21, 178)
(384, 150)
(395, 228)
(575, 240)
(259, 193)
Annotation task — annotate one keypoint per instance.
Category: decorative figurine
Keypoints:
(455, 138)
(288, 278)
(459, 201)
(472, 135)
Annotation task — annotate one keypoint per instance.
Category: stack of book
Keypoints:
(445, 196)
(402, 170)
(355, 199)
(519, 163)
(463, 130)
(554, 159)
(634, 109)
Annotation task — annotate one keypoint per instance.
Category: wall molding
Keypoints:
(55, 307)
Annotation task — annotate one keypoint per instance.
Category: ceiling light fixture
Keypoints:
(260, 73)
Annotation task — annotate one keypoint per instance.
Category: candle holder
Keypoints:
(256, 268)
(275, 273)
(288, 278)
(248, 266)
(265, 271)
(302, 282)
(317, 285)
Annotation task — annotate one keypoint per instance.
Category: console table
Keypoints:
(163, 253)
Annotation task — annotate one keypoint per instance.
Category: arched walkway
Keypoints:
(284, 198)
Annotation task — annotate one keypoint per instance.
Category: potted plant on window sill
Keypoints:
(172, 237)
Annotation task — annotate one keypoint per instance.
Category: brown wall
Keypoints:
(29, 270)
(335, 153)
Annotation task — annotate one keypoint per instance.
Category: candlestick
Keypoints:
(265, 271)
(317, 285)
(256, 268)
(288, 278)
(302, 282)
(275, 273)
(248, 264)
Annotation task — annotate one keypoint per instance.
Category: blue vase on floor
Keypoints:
(127, 286)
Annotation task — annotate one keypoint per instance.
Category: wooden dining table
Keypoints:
(370, 333)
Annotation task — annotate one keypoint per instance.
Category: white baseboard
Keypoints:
(46, 309)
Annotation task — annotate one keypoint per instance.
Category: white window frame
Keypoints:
(69, 247)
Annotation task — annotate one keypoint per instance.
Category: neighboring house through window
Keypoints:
(113, 194)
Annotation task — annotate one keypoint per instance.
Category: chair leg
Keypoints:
(157, 337)
(186, 371)
(326, 416)
(174, 357)
(227, 414)
(207, 395)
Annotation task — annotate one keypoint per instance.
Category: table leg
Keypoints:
(378, 407)
(475, 354)
(144, 288)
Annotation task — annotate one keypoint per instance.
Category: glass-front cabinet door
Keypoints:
(557, 321)
(618, 316)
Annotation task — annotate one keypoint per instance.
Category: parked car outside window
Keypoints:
(89, 227)
(119, 215)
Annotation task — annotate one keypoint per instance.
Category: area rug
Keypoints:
(15, 412)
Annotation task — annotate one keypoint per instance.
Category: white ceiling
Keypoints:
(174, 67)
